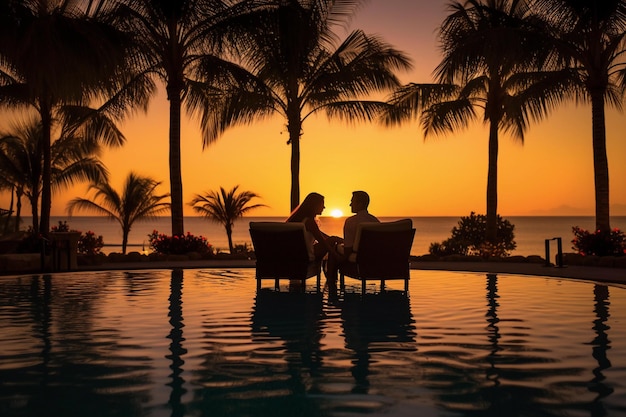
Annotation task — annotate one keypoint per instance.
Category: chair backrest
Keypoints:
(279, 242)
(384, 248)
(404, 224)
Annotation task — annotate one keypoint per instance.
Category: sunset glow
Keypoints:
(336, 213)
(405, 174)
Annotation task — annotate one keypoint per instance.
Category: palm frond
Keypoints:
(410, 100)
(447, 116)
(352, 111)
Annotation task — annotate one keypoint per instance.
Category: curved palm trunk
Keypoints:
(492, 185)
(176, 177)
(46, 189)
(600, 162)
(294, 138)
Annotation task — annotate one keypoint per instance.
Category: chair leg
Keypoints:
(276, 284)
(363, 282)
(406, 285)
(382, 285)
(258, 283)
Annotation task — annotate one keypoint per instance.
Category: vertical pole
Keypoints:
(559, 254)
(547, 253)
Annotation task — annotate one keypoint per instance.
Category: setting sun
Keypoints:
(336, 213)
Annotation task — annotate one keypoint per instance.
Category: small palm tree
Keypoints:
(225, 207)
(137, 202)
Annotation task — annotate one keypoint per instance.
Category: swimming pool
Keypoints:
(206, 343)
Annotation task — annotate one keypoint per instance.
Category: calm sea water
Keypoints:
(530, 232)
(206, 343)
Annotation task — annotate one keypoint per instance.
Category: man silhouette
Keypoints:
(358, 205)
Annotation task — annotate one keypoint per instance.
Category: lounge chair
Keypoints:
(381, 252)
(282, 252)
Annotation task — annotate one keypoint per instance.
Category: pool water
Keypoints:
(207, 343)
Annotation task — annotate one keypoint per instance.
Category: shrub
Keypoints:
(89, 244)
(62, 227)
(179, 245)
(468, 238)
(608, 243)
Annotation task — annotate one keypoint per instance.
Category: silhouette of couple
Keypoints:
(336, 249)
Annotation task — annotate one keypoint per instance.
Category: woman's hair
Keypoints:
(307, 208)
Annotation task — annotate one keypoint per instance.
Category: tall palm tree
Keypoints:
(74, 158)
(55, 55)
(177, 44)
(590, 38)
(490, 69)
(138, 201)
(302, 68)
(225, 207)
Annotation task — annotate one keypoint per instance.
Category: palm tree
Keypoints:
(137, 202)
(176, 42)
(590, 37)
(74, 158)
(56, 58)
(492, 54)
(225, 207)
(301, 68)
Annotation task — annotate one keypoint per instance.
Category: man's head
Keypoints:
(360, 201)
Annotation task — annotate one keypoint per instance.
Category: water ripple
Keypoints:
(206, 342)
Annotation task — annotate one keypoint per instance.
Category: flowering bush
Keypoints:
(599, 243)
(468, 238)
(89, 244)
(178, 245)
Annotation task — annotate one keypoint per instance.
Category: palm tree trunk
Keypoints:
(492, 185)
(35, 210)
(229, 234)
(294, 138)
(600, 162)
(8, 221)
(18, 208)
(176, 176)
(46, 174)
(125, 233)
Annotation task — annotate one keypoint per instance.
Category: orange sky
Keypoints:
(551, 173)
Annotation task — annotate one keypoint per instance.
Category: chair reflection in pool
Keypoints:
(282, 252)
(375, 324)
(381, 252)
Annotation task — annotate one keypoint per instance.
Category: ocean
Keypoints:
(530, 231)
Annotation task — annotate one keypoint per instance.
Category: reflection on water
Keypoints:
(207, 343)
(600, 345)
(375, 323)
(177, 351)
